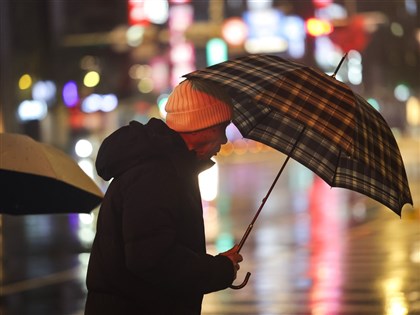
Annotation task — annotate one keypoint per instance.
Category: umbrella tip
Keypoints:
(339, 65)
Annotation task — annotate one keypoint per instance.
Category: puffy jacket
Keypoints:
(149, 253)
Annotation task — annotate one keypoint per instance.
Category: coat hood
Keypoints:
(131, 144)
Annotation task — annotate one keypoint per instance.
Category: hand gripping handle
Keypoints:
(240, 286)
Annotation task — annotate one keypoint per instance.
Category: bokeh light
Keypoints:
(135, 35)
(397, 29)
(83, 148)
(234, 31)
(374, 103)
(318, 27)
(413, 111)
(25, 82)
(156, 11)
(70, 94)
(402, 92)
(87, 166)
(97, 102)
(32, 110)
(209, 181)
(44, 91)
(216, 51)
(161, 103)
(91, 79)
(145, 85)
(109, 103)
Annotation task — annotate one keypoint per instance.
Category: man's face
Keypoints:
(207, 142)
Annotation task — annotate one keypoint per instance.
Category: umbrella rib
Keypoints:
(336, 168)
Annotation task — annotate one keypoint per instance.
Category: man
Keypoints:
(149, 254)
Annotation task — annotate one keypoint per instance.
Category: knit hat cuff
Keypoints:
(201, 118)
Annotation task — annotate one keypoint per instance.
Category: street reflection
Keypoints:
(395, 300)
(396, 276)
(313, 250)
(327, 246)
(415, 253)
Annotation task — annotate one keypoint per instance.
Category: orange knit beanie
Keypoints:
(194, 105)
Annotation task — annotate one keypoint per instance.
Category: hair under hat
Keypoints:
(197, 104)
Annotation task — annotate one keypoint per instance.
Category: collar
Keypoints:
(171, 144)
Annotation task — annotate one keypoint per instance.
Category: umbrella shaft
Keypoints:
(245, 236)
(248, 230)
(339, 65)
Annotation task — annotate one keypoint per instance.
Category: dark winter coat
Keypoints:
(149, 254)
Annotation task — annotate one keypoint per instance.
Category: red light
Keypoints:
(234, 31)
(316, 27)
(136, 13)
(321, 3)
(76, 118)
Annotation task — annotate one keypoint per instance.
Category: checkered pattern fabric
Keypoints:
(342, 138)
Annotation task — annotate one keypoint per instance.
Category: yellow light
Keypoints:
(25, 82)
(397, 29)
(91, 79)
(413, 111)
(396, 302)
(316, 27)
(145, 85)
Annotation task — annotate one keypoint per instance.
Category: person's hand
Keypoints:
(234, 257)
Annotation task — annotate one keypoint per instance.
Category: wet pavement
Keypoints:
(313, 250)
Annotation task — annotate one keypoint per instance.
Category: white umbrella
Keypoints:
(36, 178)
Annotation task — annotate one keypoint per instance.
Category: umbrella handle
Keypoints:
(240, 286)
(251, 225)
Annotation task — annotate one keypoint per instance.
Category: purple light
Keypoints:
(70, 94)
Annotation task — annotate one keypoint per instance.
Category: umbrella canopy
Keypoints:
(316, 120)
(36, 178)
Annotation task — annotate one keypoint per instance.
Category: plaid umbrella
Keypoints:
(318, 121)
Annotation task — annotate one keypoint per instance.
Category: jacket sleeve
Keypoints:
(152, 251)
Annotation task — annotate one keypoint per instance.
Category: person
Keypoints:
(149, 252)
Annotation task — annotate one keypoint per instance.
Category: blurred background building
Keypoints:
(79, 69)
(74, 71)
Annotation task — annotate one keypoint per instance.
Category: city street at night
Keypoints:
(313, 250)
(309, 109)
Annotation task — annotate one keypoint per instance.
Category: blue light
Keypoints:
(99, 102)
(374, 104)
(44, 91)
(216, 51)
(70, 94)
(32, 110)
